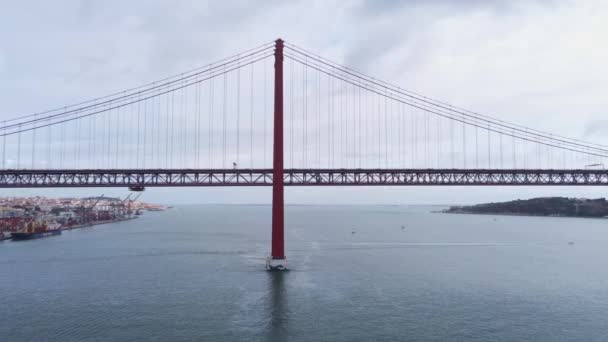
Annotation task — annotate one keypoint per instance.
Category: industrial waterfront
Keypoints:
(23, 218)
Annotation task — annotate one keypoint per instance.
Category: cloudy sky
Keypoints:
(537, 63)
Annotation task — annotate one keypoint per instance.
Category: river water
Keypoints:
(195, 273)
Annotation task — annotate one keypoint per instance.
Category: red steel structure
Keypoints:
(278, 217)
(151, 178)
(343, 128)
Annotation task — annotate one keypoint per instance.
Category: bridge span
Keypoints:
(279, 115)
(299, 177)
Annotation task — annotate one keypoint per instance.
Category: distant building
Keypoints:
(8, 212)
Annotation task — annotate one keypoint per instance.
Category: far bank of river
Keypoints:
(544, 206)
(447, 211)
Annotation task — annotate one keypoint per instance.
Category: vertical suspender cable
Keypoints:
(489, 148)
(62, 152)
(166, 117)
(464, 144)
(378, 113)
(386, 128)
(194, 158)
(90, 156)
(19, 147)
(167, 130)
(198, 126)
(399, 134)
(179, 128)
(439, 122)
(156, 136)
(525, 150)
(78, 134)
(108, 115)
(238, 112)
(366, 116)
(184, 120)
(346, 142)
(159, 129)
(153, 133)
(291, 112)
(138, 131)
(360, 138)
(224, 119)
(172, 141)
(438, 141)
(34, 144)
(265, 113)
(548, 155)
(349, 126)
(514, 159)
(154, 104)
(4, 147)
(304, 115)
(412, 142)
(329, 116)
(333, 121)
(342, 87)
(210, 134)
(117, 138)
(353, 134)
(452, 143)
(319, 119)
(564, 159)
(305, 99)
(416, 136)
(50, 144)
(102, 139)
(315, 115)
(476, 148)
(501, 147)
(424, 136)
(251, 121)
(427, 125)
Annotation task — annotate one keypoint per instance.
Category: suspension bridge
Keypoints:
(279, 115)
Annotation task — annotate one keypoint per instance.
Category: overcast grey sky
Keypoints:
(537, 63)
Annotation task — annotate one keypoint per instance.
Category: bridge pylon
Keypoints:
(277, 260)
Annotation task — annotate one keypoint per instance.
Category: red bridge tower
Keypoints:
(277, 260)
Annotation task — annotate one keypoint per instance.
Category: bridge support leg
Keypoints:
(277, 260)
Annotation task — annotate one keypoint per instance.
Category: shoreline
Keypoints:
(97, 223)
(514, 214)
(5, 236)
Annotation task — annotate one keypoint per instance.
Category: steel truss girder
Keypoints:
(297, 177)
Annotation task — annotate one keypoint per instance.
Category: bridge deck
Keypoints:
(298, 177)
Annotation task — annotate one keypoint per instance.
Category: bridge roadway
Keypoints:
(68, 178)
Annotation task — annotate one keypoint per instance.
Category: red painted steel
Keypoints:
(278, 217)
(148, 178)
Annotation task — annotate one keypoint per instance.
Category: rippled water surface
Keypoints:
(196, 273)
